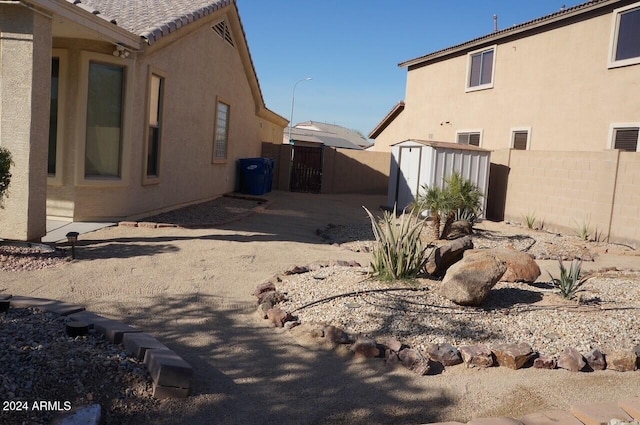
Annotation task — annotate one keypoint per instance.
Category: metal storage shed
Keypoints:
(415, 163)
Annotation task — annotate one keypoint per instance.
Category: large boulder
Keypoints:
(447, 254)
(513, 356)
(571, 359)
(521, 266)
(469, 281)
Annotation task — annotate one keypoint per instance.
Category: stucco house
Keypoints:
(116, 110)
(556, 101)
(566, 81)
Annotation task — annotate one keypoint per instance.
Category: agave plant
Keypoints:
(569, 284)
(398, 253)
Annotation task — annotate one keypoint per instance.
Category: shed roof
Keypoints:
(561, 15)
(444, 145)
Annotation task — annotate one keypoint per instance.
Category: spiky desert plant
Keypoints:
(530, 219)
(570, 283)
(462, 195)
(583, 230)
(436, 200)
(398, 252)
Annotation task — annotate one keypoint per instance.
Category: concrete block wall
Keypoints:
(567, 190)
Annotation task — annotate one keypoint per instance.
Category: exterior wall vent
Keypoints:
(222, 29)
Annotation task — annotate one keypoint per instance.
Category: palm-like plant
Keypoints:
(5, 172)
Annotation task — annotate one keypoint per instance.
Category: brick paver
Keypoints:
(167, 368)
(598, 413)
(494, 421)
(554, 417)
(631, 406)
(137, 344)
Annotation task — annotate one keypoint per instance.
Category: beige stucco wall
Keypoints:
(566, 190)
(556, 83)
(25, 48)
(355, 171)
(395, 132)
(199, 68)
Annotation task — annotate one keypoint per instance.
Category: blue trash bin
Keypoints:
(253, 175)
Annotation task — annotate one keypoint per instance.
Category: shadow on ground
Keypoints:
(245, 373)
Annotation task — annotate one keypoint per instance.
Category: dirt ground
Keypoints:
(192, 289)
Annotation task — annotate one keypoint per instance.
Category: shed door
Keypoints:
(409, 176)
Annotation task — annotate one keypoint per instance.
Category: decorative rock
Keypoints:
(291, 324)
(545, 362)
(469, 281)
(264, 308)
(459, 229)
(622, 361)
(513, 356)
(87, 415)
(343, 263)
(77, 328)
(391, 357)
(445, 354)
(337, 335)
(264, 287)
(595, 360)
(274, 297)
(570, 359)
(414, 361)
(392, 344)
(447, 254)
(366, 348)
(277, 316)
(521, 266)
(297, 270)
(477, 356)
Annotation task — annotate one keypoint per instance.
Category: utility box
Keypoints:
(415, 163)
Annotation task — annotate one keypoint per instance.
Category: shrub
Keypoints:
(569, 284)
(583, 230)
(459, 197)
(398, 252)
(5, 172)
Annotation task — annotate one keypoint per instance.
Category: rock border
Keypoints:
(438, 356)
(171, 375)
(266, 203)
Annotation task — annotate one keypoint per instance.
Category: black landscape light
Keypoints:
(72, 238)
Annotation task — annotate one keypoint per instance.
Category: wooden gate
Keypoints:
(306, 169)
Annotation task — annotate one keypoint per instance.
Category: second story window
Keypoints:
(625, 48)
(481, 64)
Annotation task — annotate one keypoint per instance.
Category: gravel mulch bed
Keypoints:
(15, 257)
(40, 363)
(514, 312)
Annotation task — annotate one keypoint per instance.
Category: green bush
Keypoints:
(398, 252)
(459, 197)
(569, 284)
(5, 172)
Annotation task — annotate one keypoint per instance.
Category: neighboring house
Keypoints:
(569, 81)
(312, 133)
(124, 109)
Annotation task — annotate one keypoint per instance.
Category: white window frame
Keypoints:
(615, 26)
(521, 129)
(62, 55)
(81, 129)
(622, 126)
(153, 179)
(458, 132)
(469, 88)
(214, 158)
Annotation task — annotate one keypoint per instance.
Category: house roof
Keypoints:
(388, 119)
(342, 132)
(444, 145)
(325, 138)
(151, 20)
(561, 15)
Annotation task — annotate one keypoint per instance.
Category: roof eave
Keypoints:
(110, 31)
(388, 119)
(509, 32)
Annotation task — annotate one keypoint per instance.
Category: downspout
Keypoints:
(613, 195)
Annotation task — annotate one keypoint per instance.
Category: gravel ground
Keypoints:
(41, 363)
(513, 312)
(15, 257)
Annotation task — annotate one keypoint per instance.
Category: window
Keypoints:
(156, 89)
(625, 138)
(53, 117)
(520, 139)
(480, 75)
(469, 138)
(221, 140)
(625, 44)
(104, 120)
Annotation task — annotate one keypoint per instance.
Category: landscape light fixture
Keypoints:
(293, 98)
(72, 238)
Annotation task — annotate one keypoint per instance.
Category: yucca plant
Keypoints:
(530, 218)
(583, 230)
(398, 252)
(569, 284)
